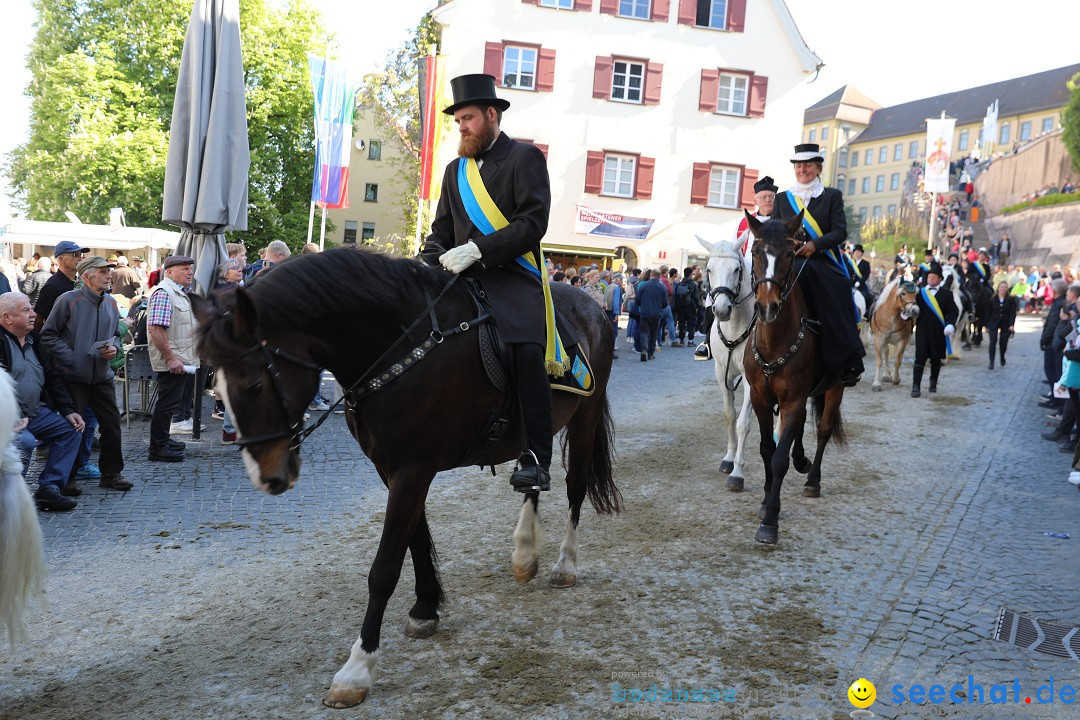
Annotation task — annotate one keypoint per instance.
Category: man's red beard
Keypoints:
(473, 144)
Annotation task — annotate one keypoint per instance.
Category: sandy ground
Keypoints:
(248, 623)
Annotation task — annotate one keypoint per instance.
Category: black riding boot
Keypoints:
(534, 394)
(935, 368)
(916, 380)
(992, 358)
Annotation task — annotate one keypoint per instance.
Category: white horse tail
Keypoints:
(22, 561)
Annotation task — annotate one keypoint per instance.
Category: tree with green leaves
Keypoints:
(103, 81)
(1070, 121)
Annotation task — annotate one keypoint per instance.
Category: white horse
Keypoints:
(22, 565)
(962, 322)
(733, 308)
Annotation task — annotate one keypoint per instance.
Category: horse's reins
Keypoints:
(804, 323)
(297, 431)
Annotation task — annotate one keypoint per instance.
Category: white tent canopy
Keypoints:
(24, 237)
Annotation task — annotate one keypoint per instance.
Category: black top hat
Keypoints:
(765, 183)
(857, 248)
(808, 152)
(935, 268)
(476, 89)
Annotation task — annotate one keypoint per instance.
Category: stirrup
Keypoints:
(532, 478)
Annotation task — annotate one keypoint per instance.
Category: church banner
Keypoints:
(606, 224)
(939, 133)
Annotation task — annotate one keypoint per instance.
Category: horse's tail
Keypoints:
(838, 435)
(599, 482)
(22, 564)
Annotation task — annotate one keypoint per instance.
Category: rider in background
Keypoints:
(825, 279)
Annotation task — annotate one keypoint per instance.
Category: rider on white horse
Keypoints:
(764, 195)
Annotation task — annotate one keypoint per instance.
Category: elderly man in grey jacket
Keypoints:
(81, 336)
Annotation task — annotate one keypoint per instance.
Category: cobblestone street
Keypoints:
(195, 595)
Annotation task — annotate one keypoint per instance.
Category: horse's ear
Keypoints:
(794, 224)
(244, 314)
(755, 224)
(705, 244)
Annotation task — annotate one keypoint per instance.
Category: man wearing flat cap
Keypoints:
(80, 334)
(491, 216)
(171, 327)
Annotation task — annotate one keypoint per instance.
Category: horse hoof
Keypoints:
(726, 467)
(734, 483)
(896, 381)
(562, 580)
(421, 629)
(875, 388)
(344, 697)
(811, 491)
(803, 465)
(527, 573)
(767, 534)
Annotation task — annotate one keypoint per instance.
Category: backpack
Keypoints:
(684, 297)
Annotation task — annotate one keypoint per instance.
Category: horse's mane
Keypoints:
(883, 294)
(312, 288)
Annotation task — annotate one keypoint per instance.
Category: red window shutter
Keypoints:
(699, 184)
(609, 7)
(530, 2)
(660, 10)
(654, 73)
(493, 61)
(545, 70)
(759, 86)
(710, 90)
(594, 172)
(736, 15)
(749, 177)
(687, 12)
(601, 79)
(542, 148)
(583, 5)
(643, 183)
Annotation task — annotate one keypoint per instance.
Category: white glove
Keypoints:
(457, 259)
(949, 329)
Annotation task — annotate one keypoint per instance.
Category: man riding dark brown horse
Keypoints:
(492, 214)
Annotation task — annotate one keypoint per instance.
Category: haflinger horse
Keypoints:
(892, 321)
(729, 281)
(400, 335)
(22, 564)
(784, 369)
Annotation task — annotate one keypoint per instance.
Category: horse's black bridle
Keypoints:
(296, 431)
(732, 293)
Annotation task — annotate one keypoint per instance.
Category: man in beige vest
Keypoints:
(171, 327)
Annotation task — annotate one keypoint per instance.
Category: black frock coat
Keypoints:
(515, 175)
(1002, 312)
(929, 332)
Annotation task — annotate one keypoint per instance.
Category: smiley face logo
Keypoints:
(862, 693)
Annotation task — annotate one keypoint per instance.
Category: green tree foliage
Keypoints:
(103, 81)
(1070, 121)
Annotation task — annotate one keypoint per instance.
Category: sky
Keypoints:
(892, 52)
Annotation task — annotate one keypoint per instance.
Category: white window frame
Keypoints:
(842, 157)
(616, 183)
(866, 185)
(851, 187)
(729, 103)
(824, 133)
(626, 89)
(1047, 124)
(898, 152)
(717, 20)
(869, 159)
(726, 180)
(812, 137)
(962, 141)
(862, 214)
(558, 4)
(518, 57)
(635, 8)
(1006, 134)
(1025, 131)
(913, 150)
(877, 212)
(883, 154)
(854, 159)
(879, 184)
(894, 181)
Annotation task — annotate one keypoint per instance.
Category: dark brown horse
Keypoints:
(784, 369)
(401, 336)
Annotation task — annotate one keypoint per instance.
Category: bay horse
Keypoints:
(784, 369)
(400, 335)
(728, 273)
(892, 321)
(22, 564)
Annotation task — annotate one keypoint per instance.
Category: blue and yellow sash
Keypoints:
(924, 267)
(486, 216)
(854, 266)
(932, 303)
(810, 225)
(981, 270)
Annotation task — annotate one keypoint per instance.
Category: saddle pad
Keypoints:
(579, 380)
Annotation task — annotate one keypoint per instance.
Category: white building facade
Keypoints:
(661, 110)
